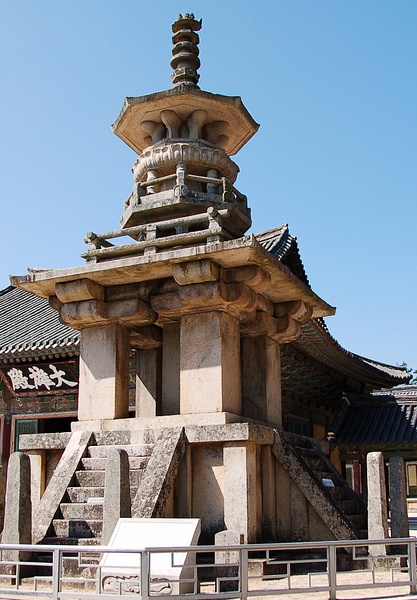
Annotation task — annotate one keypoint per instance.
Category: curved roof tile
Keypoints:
(29, 326)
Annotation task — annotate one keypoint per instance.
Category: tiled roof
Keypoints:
(384, 417)
(317, 342)
(30, 327)
(283, 245)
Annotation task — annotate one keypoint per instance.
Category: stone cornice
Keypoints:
(284, 286)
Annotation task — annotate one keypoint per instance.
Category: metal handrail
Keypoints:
(234, 558)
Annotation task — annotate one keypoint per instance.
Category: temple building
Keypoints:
(193, 353)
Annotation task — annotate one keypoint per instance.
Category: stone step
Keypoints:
(82, 494)
(77, 528)
(131, 450)
(337, 492)
(315, 464)
(358, 521)
(306, 452)
(348, 506)
(71, 541)
(124, 438)
(73, 567)
(96, 478)
(84, 511)
(99, 464)
(299, 441)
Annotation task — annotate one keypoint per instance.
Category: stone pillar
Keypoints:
(377, 502)
(210, 363)
(269, 520)
(283, 503)
(261, 379)
(37, 476)
(148, 382)
(171, 369)
(273, 382)
(240, 489)
(400, 527)
(104, 373)
(229, 559)
(18, 508)
(212, 188)
(116, 491)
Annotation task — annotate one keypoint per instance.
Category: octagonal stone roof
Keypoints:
(184, 99)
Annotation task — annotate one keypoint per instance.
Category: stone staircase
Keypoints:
(339, 506)
(344, 497)
(77, 490)
(79, 519)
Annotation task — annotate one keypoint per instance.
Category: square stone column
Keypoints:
(171, 369)
(240, 489)
(261, 379)
(377, 502)
(148, 382)
(104, 373)
(210, 363)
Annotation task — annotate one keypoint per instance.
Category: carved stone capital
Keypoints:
(282, 329)
(288, 330)
(146, 338)
(88, 313)
(251, 275)
(130, 312)
(83, 314)
(203, 297)
(197, 271)
(260, 324)
(298, 310)
(79, 290)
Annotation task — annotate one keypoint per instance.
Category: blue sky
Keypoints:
(332, 83)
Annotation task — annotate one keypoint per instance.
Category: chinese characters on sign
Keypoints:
(44, 377)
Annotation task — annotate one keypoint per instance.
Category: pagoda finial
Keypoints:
(185, 61)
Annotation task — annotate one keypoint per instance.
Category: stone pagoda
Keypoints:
(203, 309)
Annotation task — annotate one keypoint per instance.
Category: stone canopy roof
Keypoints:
(385, 417)
(30, 327)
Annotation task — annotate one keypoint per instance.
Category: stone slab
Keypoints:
(220, 418)
(44, 441)
(150, 533)
(231, 432)
(202, 428)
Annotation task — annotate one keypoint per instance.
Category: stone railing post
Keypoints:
(116, 491)
(18, 506)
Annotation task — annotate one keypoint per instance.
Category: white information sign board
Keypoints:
(122, 569)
